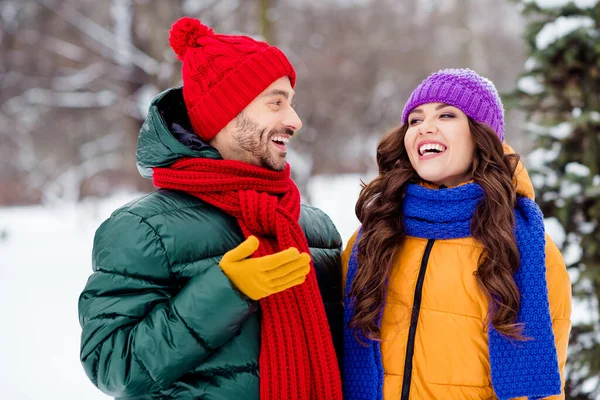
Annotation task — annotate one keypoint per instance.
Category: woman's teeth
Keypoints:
(431, 148)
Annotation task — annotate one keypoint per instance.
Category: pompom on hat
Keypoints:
(464, 89)
(222, 74)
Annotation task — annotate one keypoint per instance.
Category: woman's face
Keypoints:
(439, 144)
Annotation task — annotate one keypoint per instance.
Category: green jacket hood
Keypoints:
(167, 134)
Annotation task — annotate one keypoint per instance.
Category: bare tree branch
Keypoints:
(103, 36)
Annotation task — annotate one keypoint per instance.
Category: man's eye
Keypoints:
(277, 102)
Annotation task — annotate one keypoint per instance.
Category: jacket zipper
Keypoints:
(414, 318)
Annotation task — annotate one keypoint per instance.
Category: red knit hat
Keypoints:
(222, 74)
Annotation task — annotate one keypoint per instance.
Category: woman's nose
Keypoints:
(428, 126)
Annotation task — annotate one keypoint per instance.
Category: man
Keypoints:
(204, 285)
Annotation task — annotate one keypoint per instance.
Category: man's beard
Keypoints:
(253, 143)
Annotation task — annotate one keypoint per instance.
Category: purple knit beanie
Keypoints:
(474, 95)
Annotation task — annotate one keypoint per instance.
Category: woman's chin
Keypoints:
(434, 177)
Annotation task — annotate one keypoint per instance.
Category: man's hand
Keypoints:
(261, 277)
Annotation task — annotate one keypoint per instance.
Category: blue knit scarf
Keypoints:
(528, 368)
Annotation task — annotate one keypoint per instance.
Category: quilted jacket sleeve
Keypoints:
(142, 330)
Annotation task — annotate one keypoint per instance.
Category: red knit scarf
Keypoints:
(297, 358)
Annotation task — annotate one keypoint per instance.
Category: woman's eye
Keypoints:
(413, 121)
(447, 115)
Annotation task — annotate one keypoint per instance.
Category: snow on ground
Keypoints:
(45, 260)
(44, 265)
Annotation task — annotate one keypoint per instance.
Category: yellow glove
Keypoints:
(261, 277)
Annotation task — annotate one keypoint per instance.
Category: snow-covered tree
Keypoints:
(560, 91)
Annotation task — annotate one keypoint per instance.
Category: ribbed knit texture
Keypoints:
(473, 94)
(222, 74)
(527, 368)
(297, 358)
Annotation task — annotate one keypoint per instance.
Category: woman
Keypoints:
(453, 290)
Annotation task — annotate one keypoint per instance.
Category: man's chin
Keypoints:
(279, 166)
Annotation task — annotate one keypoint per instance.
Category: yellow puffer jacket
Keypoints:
(450, 359)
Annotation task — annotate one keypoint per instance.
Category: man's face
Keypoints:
(260, 133)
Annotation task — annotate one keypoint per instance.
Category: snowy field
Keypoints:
(44, 264)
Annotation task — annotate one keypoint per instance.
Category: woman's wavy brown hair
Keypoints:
(379, 209)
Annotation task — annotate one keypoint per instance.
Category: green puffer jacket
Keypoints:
(160, 320)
